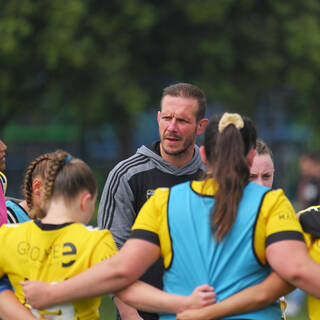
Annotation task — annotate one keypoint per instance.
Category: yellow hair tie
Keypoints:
(230, 118)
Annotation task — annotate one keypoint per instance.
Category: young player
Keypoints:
(61, 245)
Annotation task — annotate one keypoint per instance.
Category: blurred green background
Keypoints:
(86, 76)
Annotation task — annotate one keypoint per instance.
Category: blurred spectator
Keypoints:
(308, 188)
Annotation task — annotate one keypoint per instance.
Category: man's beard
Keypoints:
(178, 152)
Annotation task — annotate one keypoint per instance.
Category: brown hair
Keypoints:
(187, 90)
(38, 167)
(262, 148)
(64, 176)
(226, 153)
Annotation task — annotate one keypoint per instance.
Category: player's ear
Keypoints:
(36, 186)
(85, 198)
(202, 125)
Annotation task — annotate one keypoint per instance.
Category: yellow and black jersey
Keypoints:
(3, 182)
(178, 220)
(314, 250)
(275, 219)
(310, 221)
(53, 253)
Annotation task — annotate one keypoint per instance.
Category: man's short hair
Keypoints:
(187, 90)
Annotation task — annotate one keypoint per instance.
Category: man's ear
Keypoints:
(203, 155)
(36, 186)
(250, 156)
(85, 198)
(158, 116)
(202, 125)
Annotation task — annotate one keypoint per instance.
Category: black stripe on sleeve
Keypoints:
(284, 235)
(12, 218)
(145, 235)
(109, 203)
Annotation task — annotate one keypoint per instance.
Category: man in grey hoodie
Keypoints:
(172, 160)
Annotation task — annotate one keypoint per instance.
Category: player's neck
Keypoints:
(58, 213)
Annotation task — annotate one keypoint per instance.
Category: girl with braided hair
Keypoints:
(21, 211)
(61, 245)
(59, 189)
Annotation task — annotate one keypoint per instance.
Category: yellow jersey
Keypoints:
(53, 253)
(314, 251)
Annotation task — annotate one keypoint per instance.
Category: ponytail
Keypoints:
(227, 143)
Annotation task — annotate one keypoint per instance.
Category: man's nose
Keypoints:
(260, 181)
(172, 126)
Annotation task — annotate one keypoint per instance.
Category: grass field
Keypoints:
(107, 311)
(303, 315)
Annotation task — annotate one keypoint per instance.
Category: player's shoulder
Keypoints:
(311, 209)
(137, 163)
(273, 195)
(91, 229)
(10, 231)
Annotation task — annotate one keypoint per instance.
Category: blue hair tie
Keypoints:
(68, 158)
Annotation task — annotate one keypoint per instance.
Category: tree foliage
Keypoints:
(105, 61)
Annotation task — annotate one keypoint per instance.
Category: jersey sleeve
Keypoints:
(276, 221)
(116, 211)
(152, 223)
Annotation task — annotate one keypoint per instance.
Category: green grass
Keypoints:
(303, 315)
(107, 309)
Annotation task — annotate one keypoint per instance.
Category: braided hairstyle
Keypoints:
(66, 177)
(226, 149)
(38, 167)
